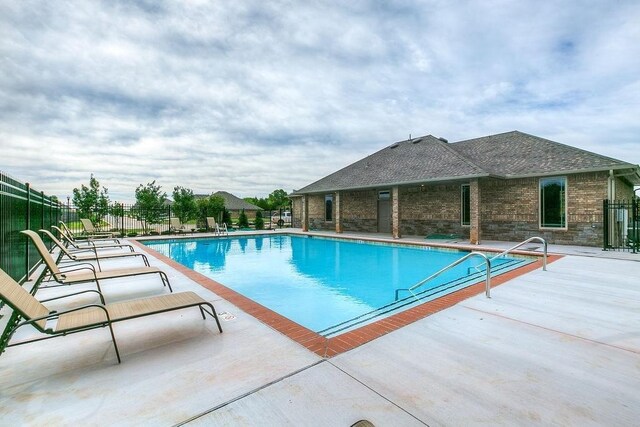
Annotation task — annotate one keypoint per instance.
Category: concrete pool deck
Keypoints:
(555, 347)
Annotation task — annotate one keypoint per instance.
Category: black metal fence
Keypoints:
(128, 220)
(621, 225)
(22, 208)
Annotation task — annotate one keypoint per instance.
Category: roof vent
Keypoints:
(443, 139)
(394, 146)
(415, 141)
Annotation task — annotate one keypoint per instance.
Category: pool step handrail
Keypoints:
(531, 239)
(544, 253)
(487, 261)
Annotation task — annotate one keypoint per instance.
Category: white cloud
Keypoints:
(250, 96)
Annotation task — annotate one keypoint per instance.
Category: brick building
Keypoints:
(509, 186)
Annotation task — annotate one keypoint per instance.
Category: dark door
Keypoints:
(384, 212)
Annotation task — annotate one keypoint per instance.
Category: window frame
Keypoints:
(328, 197)
(384, 195)
(462, 207)
(564, 227)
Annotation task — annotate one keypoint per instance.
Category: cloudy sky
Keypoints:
(250, 96)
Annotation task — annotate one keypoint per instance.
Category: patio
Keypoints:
(554, 347)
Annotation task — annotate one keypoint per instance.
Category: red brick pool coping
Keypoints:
(329, 347)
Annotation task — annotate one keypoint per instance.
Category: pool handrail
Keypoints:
(450, 266)
(531, 239)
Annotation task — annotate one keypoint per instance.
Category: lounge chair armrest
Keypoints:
(83, 266)
(55, 314)
(102, 236)
(83, 307)
(80, 266)
(77, 293)
(80, 250)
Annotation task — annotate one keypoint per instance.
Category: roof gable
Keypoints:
(416, 160)
(232, 202)
(506, 155)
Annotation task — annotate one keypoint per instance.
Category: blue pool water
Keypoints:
(326, 285)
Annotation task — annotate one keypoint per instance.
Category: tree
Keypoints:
(184, 204)
(226, 217)
(209, 206)
(261, 203)
(117, 209)
(278, 199)
(91, 202)
(243, 221)
(259, 222)
(150, 201)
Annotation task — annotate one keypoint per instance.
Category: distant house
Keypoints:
(509, 187)
(234, 204)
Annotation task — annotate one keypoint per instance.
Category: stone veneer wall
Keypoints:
(296, 212)
(359, 210)
(431, 209)
(316, 213)
(510, 210)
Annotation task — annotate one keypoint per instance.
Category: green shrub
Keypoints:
(132, 234)
(259, 222)
(243, 221)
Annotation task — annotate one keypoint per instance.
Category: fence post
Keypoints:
(28, 227)
(635, 233)
(605, 224)
(42, 209)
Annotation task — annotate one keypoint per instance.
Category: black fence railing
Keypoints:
(621, 225)
(22, 208)
(132, 221)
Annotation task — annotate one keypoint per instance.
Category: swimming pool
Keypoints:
(324, 284)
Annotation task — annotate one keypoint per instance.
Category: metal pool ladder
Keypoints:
(487, 261)
(544, 253)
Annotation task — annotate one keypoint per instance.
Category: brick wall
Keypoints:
(624, 190)
(510, 210)
(296, 212)
(359, 210)
(431, 209)
(316, 213)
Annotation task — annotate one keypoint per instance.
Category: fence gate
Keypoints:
(621, 225)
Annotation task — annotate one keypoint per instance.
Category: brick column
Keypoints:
(305, 213)
(474, 232)
(395, 213)
(338, 217)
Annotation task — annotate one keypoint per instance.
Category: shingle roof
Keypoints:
(515, 153)
(425, 159)
(233, 203)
